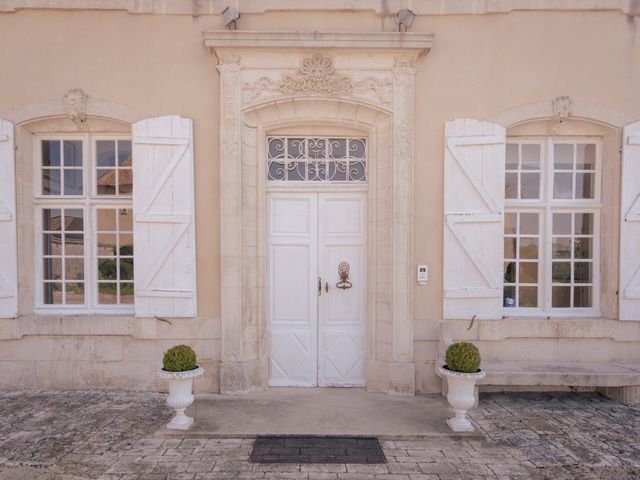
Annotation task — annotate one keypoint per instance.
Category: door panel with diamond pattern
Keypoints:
(316, 337)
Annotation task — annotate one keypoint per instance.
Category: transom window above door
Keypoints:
(317, 159)
(551, 227)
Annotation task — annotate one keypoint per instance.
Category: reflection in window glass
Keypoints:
(115, 256)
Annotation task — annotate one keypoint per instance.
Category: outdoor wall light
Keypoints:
(230, 16)
(404, 19)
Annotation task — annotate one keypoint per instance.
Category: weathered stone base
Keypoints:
(627, 395)
(243, 377)
(391, 377)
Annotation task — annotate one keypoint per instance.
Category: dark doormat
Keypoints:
(306, 449)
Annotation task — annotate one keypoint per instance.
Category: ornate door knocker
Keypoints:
(343, 271)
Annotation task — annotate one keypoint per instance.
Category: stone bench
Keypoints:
(620, 382)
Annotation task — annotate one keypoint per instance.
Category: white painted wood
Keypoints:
(629, 288)
(8, 232)
(474, 216)
(164, 227)
(293, 297)
(341, 238)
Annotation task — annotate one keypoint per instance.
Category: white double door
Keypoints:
(316, 329)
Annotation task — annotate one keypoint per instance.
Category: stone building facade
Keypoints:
(320, 195)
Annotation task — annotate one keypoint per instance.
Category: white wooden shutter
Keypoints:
(8, 240)
(474, 217)
(629, 288)
(163, 207)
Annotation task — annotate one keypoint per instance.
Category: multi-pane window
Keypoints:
(551, 228)
(84, 223)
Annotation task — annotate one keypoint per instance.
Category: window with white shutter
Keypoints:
(163, 202)
(8, 239)
(474, 214)
(629, 293)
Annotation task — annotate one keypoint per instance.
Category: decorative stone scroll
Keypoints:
(561, 111)
(317, 76)
(75, 106)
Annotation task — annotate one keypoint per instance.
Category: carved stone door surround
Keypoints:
(359, 81)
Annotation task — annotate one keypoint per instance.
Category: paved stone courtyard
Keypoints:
(109, 436)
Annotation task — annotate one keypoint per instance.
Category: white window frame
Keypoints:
(545, 207)
(88, 202)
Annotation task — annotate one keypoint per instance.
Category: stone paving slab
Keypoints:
(109, 436)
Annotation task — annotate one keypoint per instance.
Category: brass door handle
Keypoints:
(326, 287)
(319, 286)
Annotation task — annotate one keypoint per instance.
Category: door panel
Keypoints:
(341, 235)
(293, 291)
(316, 339)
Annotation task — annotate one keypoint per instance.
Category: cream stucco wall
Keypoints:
(479, 66)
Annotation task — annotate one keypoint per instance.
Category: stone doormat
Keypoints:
(307, 449)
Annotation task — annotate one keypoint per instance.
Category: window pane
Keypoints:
(107, 293)
(582, 272)
(530, 186)
(106, 153)
(509, 248)
(106, 219)
(72, 153)
(50, 153)
(126, 293)
(74, 244)
(52, 269)
(528, 272)
(528, 247)
(531, 157)
(528, 223)
(107, 244)
(74, 269)
(73, 220)
(52, 294)
(510, 272)
(51, 219)
(72, 181)
(563, 156)
(512, 156)
(509, 296)
(51, 244)
(107, 269)
(561, 248)
(584, 223)
(124, 153)
(585, 156)
(528, 297)
(74, 293)
(125, 181)
(126, 219)
(562, 224)
(51, 182)
(584, 185)
(563, 185)
(561, 297)
(510, 222)
(511, 185)
(582, 297)
(583, 248)
(126, 269)
(106, 180)
(561, 272)
(126, 244)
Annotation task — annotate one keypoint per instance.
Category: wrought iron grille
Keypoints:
(317, 159)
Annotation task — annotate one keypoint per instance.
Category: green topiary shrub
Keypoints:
(180, 358)
(463, 357)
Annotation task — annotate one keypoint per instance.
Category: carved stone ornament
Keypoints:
(75, 105)
(561, 108)
(317, 74)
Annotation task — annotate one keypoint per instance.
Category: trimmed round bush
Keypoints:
(463, 357)
(180, 358)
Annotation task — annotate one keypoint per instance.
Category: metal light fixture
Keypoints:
(230, 16)
(404, 19)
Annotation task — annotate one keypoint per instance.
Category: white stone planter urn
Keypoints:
(180, 395)
(460, 394)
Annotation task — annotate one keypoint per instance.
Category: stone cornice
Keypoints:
(419, 43)
(389, 7)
